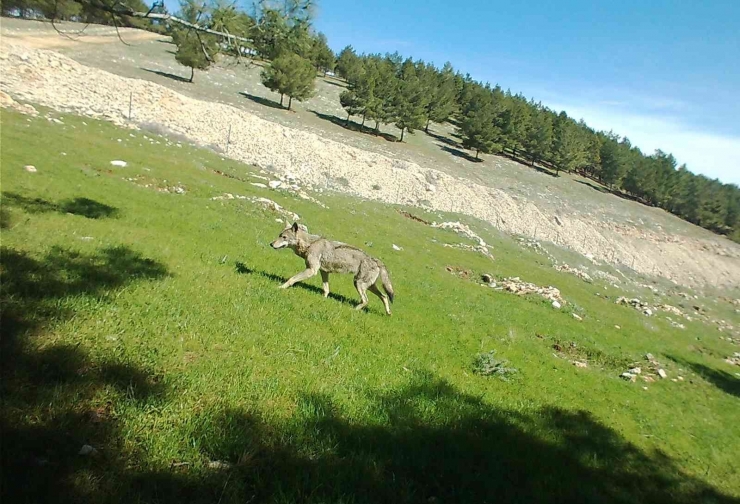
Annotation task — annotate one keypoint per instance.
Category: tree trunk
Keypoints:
(426, 128)
(402, 130)
(290, 100)
(347, 121)
(477, 151)
(377, 127)
(281, 99)
(363, 119)
(192, 73)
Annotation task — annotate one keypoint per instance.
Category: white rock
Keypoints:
(396, 247)
(576, 316)
(635, 371)
(274, 184)
(662, 373)
(30, 168)
(431, 188)
(648, 312)
(87, 450)
(580, 364)
(119, 163)
(556, 305)
(629, 376)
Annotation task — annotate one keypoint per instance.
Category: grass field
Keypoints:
(149, 326)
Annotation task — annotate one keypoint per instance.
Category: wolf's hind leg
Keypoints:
(374, 289)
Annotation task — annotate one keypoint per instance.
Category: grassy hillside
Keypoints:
(148, 325)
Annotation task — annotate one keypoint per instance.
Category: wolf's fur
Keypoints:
(328, 256)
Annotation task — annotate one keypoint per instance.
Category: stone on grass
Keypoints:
(30, 168)
(556, 305)
(119, 163)
(662, 373)
(87, 450)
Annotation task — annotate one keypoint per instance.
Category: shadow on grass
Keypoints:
(50, 389)
(426, 442)
(461, 154)
(262, 101)
(168, 75)
(333, 83)
(593, 186)
(353, 126)
(84, 207)
(243, 269)
(723, 380)
(445, 140)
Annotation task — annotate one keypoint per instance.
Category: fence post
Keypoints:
(228, 140)
(130, 104)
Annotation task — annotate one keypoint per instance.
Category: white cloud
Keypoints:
(714, 155)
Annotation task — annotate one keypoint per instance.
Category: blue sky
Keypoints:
(664, 73)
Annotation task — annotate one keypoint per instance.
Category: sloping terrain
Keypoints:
(227, 103)
(148, 355)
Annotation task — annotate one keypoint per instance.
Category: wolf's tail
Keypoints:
(385, 279)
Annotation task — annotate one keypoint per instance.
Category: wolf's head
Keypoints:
(288, 237)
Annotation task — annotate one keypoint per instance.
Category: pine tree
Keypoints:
(441, 92)
(382, 71)
(291, 75)
(410, 99)
(538, 143)
(322, 56)
(611, 161)
(347, 63)
(477, 129)
(568, 150)
(194, 51)
(518, 124)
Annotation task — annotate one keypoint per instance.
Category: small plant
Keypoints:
(486, 364)
(376, 187)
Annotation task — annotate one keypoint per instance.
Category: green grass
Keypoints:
(149, 325)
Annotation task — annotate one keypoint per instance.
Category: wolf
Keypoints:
(326, 256)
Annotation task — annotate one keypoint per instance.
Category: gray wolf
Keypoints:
(326, 256)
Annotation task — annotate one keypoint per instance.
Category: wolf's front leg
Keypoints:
(303, 275)
(325, 282)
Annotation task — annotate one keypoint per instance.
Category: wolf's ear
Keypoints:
(295, 227)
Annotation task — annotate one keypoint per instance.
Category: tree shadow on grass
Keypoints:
(445, 140)
(721, 379)
(84, 207)
(174, 77)
(49, 389)
(243, 269)
(262, 101)
(426, 442)
(461, 154)
(353, 126)
(333, 83)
